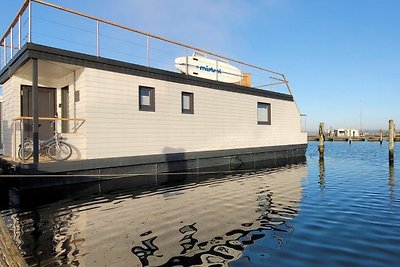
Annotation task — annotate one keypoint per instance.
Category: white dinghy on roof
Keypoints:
(199, 65)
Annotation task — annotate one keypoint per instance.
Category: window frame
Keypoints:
(191, 103)
(268, 107)
(152, 106)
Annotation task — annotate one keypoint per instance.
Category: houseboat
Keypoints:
(121, 116)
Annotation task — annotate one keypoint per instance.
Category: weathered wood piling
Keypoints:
(391, 141)
(321, 146)
(10, 256)
(321, 173)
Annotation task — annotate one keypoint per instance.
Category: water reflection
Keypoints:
(392, 182)
(143, 252)
(205, 221)
(321, 173)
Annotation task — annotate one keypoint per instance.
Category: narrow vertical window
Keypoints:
(146, 98)
(263, 113)
(64, 109)
(187, 103)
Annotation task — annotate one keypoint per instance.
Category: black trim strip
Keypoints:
(90, 164)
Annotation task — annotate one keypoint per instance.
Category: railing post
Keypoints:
(21, 127)
(19, 32)
(1, 59)
(11, 43)
(148, 50)
(30, 22)
(97, 38)
(187, 62)
(217, 68)
(35, 112)
(5, 50)
(241, 75)
(15, 140)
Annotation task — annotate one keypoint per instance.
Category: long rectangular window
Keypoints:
(146, 98)
(263, 113)
(187, 103)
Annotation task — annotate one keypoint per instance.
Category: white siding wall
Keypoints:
(221, 120)
(10, 110)
(115, 127)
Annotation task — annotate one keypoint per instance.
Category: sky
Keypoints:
(342, 58)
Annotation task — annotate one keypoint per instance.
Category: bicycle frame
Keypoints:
(43, 144)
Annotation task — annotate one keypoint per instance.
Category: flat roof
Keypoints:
(41, 52)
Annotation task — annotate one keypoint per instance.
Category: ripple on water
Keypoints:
(341, 212)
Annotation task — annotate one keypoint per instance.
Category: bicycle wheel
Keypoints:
(62, 151)
(28, 150)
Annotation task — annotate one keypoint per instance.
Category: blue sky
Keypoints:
(342, 58)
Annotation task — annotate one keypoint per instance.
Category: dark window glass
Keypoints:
(263, 113)
(187, 103)
(146, 98)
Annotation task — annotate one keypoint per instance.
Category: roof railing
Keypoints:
(20, 32)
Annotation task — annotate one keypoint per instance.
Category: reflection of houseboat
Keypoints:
(122, 114)
(196, 222)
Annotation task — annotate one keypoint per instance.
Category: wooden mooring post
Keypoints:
(391, 141)
(10, 256)
(321, 147)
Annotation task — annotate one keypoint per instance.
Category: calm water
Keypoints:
(344, 211)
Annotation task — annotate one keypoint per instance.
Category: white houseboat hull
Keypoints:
(222, 129)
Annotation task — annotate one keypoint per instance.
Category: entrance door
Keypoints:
(47, 108)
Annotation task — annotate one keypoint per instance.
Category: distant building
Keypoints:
(346, 133)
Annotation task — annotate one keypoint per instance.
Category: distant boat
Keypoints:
(203, 67)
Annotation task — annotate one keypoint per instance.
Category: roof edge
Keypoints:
(41, 52)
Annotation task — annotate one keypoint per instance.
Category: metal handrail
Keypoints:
(27, 4)
(151, 35)
(12, 24)
(21, 120)
(49, 119)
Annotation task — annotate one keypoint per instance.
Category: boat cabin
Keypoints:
(118, 113)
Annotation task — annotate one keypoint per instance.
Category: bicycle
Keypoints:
(54, 148)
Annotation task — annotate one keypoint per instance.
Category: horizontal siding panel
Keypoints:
(221, 120)
(115, 127)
